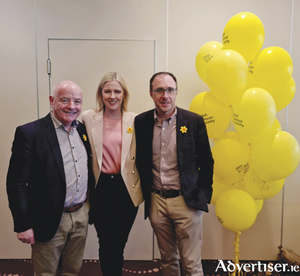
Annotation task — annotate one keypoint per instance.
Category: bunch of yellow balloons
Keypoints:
(248, 86)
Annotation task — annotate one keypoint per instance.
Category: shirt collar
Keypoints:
(170, 120)
(59, 124)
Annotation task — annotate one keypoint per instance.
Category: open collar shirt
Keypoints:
(75, 162)
(165, 170)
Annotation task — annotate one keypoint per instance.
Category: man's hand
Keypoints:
(26, 236)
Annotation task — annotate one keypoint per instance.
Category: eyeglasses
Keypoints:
(161, 91)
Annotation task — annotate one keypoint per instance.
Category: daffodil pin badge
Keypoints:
(183, 129)
(129, 130)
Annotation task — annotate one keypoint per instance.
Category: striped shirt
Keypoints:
(74, 157)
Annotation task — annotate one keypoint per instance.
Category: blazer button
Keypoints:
(132, 158)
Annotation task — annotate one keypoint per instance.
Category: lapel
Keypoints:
(53, 142)
(147, 134)
(181, 121)
(127, 122)
(82, 133)
(97, 135)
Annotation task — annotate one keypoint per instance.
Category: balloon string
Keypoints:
(230, 118)
(236, 255)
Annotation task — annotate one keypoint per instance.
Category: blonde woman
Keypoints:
(117, 192)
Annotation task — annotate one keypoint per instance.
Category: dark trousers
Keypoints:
(114, 214)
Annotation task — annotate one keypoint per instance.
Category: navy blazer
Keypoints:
(195, 160)
(36, 185)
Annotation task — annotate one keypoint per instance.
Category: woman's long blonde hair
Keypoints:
(111, 76)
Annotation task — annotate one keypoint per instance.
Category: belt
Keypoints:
(74, 208)
(167, 193)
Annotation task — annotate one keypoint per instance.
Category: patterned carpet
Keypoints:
(152, 268)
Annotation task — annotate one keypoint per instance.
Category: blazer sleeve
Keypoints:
(204, 159)
(85, 139)
(17, 179)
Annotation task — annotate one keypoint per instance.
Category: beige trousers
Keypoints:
(178, 227)
(64, 252)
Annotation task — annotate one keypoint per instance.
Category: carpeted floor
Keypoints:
(210, 267)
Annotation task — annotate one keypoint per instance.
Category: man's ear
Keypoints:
(51, 99)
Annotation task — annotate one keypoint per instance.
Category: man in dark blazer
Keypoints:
(175, 165)
(47, 184)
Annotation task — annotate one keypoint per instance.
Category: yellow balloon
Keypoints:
(283, 95)
(271, 132)
(276, 157)
(218, 188)
(236, 210)
(245, 34)
(229, 134)
(272, 188)
(259, 204)
(215, 114)
(272, 68)
(254, 114)
(260, 189)
(232, 160)
(274, 128)
(226, 76)
(204, 56)
(234, 135)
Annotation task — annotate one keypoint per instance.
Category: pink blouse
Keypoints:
(112, 145)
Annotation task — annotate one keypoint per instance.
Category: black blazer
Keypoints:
(193, 152)
(36, 185)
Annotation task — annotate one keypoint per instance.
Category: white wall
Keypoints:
(136, 38)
